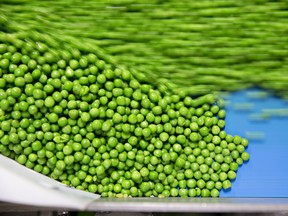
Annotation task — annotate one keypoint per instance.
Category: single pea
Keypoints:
(240, 148)
(222, 114)
(183, 192)
(201, 184)
(100, 170)
(194, 126)
(237, 140)
(150, 117)
(245, 156)
(204, 131)
(224, 144)
(138, 132)
(192, 192)
(191, 158)
(157, 110)
(159, 188)
(205, 192)
(22, 159)
(181, 139)
(214, 192)
(33, 109)
(19, 82)
(204, 168)
(146, 132)
(180, 162)
(174, 192)
(210, 185)
(216, 140)
(153, 175)
(49, 102)
(101, 78)
(136, 176)
(188, 151)
(200, 159)
(218, 185)
(231, 146)
(221, 123)
(231, 175)
(229, 138)
(214, 177)
(132, 119)
(85, 117)
(215, 130)
(219, 158)
(166, 157)
(194, 137)
(126, 184)
(218, 150)
(225, 167)
(144, 187)
(244, 142)
(223, 176)
(196, 151)
(177, 148)
(235, 154)
(36, 145)
(239, 161)
(214, 109)
(4, 104)
(134, 84)
(188, 173)
(228, 159)
(226, 184)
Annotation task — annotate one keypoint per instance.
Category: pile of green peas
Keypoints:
(71, 116)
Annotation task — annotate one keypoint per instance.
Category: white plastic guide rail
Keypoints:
(21, 185)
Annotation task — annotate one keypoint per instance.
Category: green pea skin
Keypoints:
(226, 184)
(245, 156)
(174, 192)
(214, 192)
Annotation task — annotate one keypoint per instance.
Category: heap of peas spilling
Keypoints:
(71, 116)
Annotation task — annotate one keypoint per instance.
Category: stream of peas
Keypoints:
(219, 45)
(67, 113)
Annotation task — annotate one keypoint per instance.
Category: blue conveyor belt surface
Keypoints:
(266, 173)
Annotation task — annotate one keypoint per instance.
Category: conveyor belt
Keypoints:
(266, 174)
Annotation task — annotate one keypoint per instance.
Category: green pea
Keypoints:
(244, 142)
(245, 156)
(240, 148)
(180, 162)
(49, 102)
(174, 192)
(144, 187)
(192, 192)
(226, 184)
